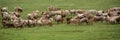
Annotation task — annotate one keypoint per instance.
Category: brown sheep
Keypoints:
(72, 20)
(90, 19)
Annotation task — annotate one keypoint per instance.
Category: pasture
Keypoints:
(97, 31)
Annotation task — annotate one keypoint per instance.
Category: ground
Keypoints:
(97, 31)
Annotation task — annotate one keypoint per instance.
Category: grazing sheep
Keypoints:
(72, 20)
(60, 12)
(30, 16)
(35, 14)
(58, 19)
(18, 9)
(82, 20)
(73, 11)
(6, 23)
(113, 14)
(32, 22)
(98, 18)
(13, 17)
(114, 9)
(52, 8)
(17, 14)
(4, 9)
(92, 12)
(18, 22)
(4, 14)
(45, 20)
(56, 12)
(113, 19)
(79, 11)
(90, 19)
(80, 15)
(118, 19)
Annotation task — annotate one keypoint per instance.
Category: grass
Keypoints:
(97, 31)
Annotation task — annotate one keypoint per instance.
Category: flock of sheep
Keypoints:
(13, 19)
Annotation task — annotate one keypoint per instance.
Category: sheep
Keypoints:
(39, 22)
(23, 22)
(12, 23)
(118, 19)
(4, 14)
(13, 17)
(99, 18)
(92, 12)
(72, 11)
(82, 20)
(18, 22)
(113, 19)
(4, 9)
(58, 19)
(90, 19)
(68, 11)
(80, 15)
(6, 23)
(30, 17)
(52, 8)
(18, 9)
(72, 20)
(45, 20)
(56, 12)
(35, 14)
(45, 12)
(60, 12)
(99, 13)
(114, 9)
(17, 14)
(32, 22)
(79, 11)
(113, 14)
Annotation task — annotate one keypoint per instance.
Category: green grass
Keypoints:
(97, 31)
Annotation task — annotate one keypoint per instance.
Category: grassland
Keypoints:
(97, 31)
